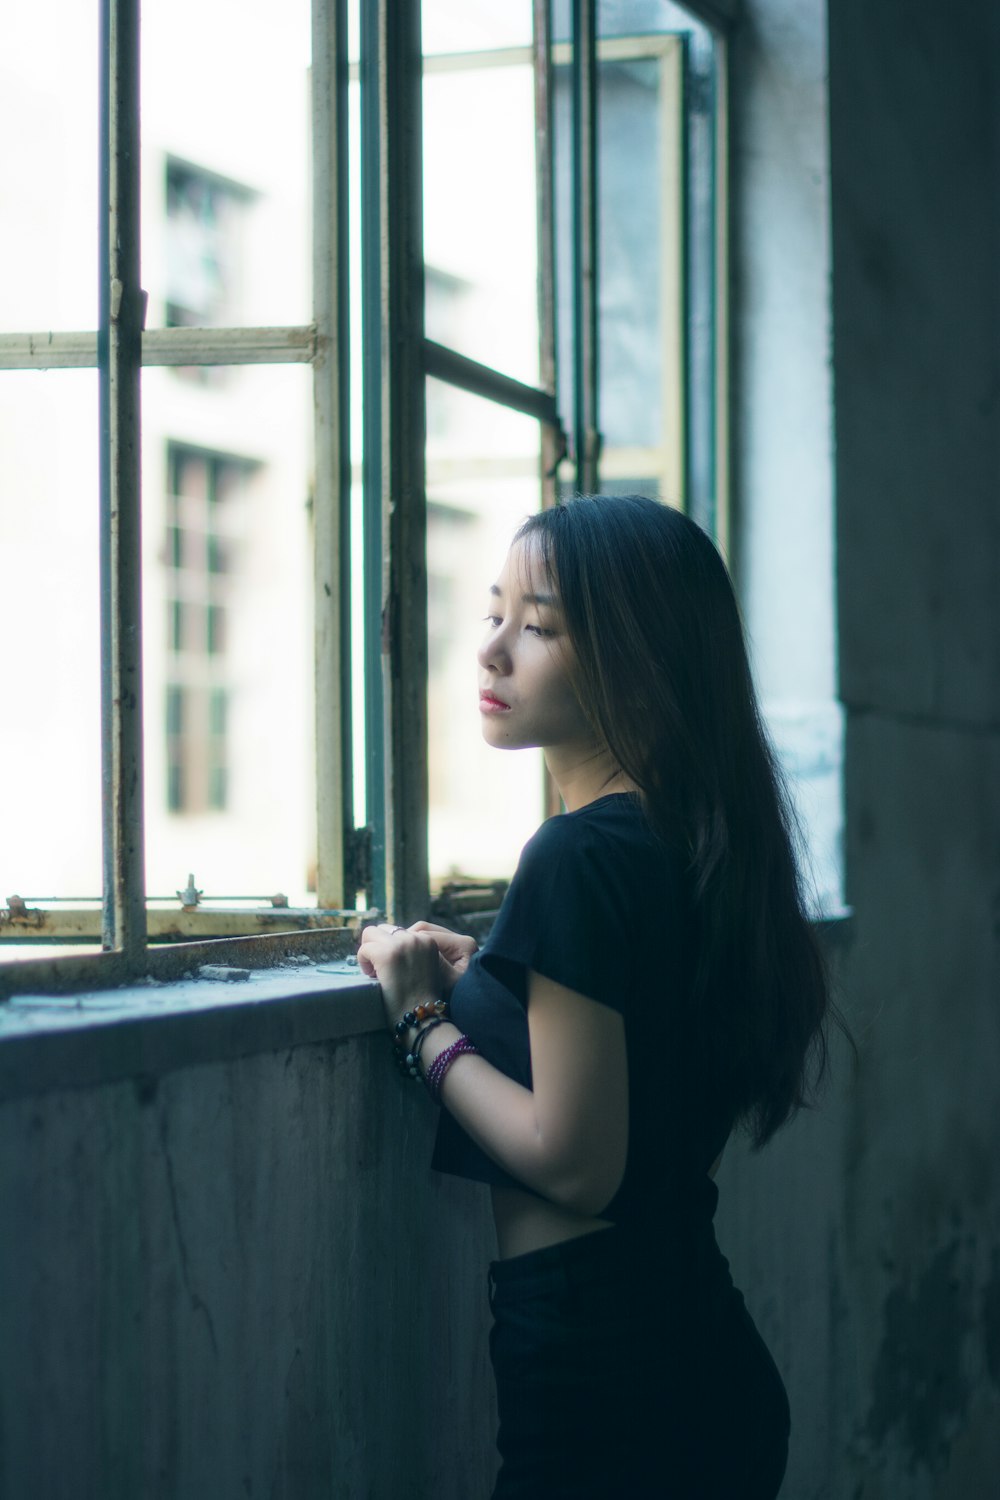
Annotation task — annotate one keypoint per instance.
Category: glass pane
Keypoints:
(475, 25)
(50, 724)
(479, 215)
(48, 123)
(640, 328)
(227, 620)
(225, 105)
(482, 481)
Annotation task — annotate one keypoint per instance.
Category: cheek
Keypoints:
(562, 703)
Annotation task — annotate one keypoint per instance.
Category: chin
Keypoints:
(496, 738)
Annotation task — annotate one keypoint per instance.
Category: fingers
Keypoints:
(450, 943)
(385, 943)
(382, 930)
(374, 947)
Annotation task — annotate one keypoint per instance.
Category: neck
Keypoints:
(581, 776)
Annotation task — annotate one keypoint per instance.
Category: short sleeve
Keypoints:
(565, 913)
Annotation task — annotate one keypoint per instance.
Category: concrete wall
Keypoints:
(240, 1281)
(867, 1237)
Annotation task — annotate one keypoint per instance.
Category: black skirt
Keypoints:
(627, 1366)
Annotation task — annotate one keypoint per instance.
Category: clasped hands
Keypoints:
(413, 964)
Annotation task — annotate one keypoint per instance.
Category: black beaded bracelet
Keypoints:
(424, 1018)
(418, 1014)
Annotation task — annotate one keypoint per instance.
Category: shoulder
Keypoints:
(591, 888)
(606, 847)
(612, 828)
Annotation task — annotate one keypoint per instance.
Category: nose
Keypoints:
(493, 655)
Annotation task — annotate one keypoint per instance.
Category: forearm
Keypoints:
(499, 1115)
(565, 1137)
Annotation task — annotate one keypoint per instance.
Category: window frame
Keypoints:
(119, 348)
(387, 857)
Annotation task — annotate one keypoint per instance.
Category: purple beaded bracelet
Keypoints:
(435, 1074)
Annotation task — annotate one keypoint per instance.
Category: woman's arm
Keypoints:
(567, 1136)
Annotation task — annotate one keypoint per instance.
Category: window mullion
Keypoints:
(404, 491)
(394, 462)
(332, 480)
(121, 304)
(585, 414)
(295, 345)
(553, 440)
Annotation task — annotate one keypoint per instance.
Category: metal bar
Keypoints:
(481, 380)
(586, 433)
(119, 349)
(404, 487)
(83, 925)
(48, 351)
(674, 344)
(71, 973)
(332, 484)
(722, 428)
(700, 343)
(229, 346)
(553, 448)
(373, 387)
(553, 444)
(164, 346)
(622, 48)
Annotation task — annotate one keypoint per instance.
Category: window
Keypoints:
(207, 499)
(203, 246)
(513, 222)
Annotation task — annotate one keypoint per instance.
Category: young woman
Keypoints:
(649, 984)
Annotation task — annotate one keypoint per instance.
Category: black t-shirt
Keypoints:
(598, 904)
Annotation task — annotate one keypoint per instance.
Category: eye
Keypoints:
(539, 630)
(493, 620)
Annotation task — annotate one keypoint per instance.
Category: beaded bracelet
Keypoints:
(435, 1075)
(407, 1059)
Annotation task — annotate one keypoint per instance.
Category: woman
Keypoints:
(650, 983)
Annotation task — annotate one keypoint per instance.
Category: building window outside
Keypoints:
(206, 493)
(203, 234)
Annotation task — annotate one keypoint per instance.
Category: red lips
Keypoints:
(491, 701)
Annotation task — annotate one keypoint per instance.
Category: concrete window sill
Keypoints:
(148, 1029)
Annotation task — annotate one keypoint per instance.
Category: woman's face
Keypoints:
(525, 694)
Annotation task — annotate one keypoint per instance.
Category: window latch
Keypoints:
(190, 896)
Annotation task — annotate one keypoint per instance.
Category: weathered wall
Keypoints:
(242, 1281)
(916, 169)
(867, 1237)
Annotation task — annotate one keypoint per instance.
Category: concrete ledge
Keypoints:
(145, 1030)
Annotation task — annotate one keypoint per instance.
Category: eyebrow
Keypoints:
(549, 600)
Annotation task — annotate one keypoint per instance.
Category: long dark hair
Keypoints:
(662, 673)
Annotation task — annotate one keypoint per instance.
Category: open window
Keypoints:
(407, 273)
